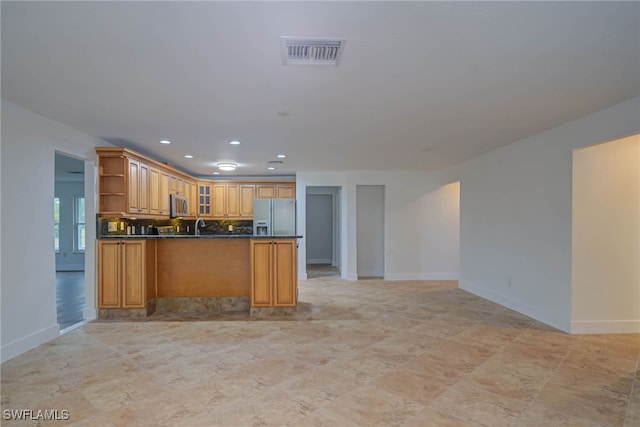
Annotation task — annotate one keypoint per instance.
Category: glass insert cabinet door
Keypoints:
(204, 200)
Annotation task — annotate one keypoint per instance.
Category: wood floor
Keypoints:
(69, 297)
(363, 353)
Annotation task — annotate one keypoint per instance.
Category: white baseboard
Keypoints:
(349, 276)
(302, 276)
(89, 314)
(319, 261)
(22, 345)
(516, 305)
(605, 327)
(421, 276)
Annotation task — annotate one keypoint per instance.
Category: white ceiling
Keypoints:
(421, 85)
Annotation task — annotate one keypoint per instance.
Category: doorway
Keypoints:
(323, 231)
(606, 237)
(70, 239)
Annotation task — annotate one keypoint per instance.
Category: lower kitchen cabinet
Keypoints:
(274, 273)
(125, 273)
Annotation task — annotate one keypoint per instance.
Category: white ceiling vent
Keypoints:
(311, 51)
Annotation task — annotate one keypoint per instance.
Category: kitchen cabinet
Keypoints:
(123, 185)
(177, 185)
(192, 198)
(130, 184)
(165, 204)
(285, 191)
(158, 192)
(205, 200)
(276, 191)
(274, 273)
(233, 200)
(247, 194)
(133, 185)
(154, 191)
(138, 187)
(221, 200)
(265, 191)
(125, 273)
(112, 192)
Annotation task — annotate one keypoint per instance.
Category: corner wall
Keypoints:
(516, 215)
(27, 281)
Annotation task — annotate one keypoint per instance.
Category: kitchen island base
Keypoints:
(210, 274)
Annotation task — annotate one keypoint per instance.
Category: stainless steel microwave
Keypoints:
(179, 205)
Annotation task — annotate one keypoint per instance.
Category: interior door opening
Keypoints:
(70, 241)
(323, 231)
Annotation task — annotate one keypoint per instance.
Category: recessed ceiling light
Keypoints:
(216, 173)
(271, 168)
(234, 142)
(188, 156)
(281, 156)
(226, 166)
(165, 141)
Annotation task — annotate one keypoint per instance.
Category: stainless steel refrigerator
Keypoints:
(274, 217)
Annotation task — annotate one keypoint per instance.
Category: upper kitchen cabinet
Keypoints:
(232, 200)
(192, 197)
(158, 192)
(205, 199)
(247, 194)
(276, 190)
(138, 190)
(112, 183)
(130, 184)
(285, 191)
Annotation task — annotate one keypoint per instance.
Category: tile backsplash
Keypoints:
(124, 226)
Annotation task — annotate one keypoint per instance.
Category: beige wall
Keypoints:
(606, 237)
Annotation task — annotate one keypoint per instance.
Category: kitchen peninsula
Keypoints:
(225, 268)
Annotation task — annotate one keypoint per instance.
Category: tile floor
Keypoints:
(362, 353)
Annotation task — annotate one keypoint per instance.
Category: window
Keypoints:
(56, 224)
(78, 215)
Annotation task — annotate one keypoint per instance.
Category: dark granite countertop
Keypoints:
(191, 236)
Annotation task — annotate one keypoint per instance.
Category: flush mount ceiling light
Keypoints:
(311, 51)
(281, 156)
(188, 156)
(225, 166)
(234, 142)
(271, 168)
(165, 141)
